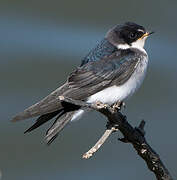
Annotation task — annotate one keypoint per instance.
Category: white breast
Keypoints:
(119, 93)
(113, 94)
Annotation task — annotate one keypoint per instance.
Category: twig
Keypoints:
(135, 136)
(99, 143)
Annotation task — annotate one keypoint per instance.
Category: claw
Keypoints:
(118, 105)
(101, 105)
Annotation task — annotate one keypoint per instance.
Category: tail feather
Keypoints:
(42, 119)
(37, 110)
(47, 105)
(61, 121)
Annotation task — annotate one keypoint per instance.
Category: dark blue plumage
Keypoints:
(102, 50)
(110, 72)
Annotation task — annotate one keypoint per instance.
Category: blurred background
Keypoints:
(41, 42)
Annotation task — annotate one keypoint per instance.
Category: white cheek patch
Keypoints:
(123, 46)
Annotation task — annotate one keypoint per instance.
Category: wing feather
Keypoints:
(86, 81)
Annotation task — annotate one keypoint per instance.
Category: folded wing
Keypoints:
(84, 82)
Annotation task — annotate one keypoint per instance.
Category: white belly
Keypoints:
(119, 93)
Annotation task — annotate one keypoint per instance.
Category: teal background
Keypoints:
(41, 42)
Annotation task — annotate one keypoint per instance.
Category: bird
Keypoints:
(112, 71)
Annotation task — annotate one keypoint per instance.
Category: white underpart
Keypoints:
(119, 93)
(123, 46)
(139, 44)
(78, 115)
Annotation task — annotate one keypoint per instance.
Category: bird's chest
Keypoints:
(115, 93)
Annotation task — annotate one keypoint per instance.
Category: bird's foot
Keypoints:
(118, 105)
(101, 105)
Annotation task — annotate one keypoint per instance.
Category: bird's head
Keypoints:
(128, 35)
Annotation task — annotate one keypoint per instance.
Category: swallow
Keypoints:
(110, 72)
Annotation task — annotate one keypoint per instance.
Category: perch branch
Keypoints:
(99, 143)
(135, 136)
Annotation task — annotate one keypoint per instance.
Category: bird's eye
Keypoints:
(132, 35)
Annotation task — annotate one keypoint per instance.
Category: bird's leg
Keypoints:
(118, 105)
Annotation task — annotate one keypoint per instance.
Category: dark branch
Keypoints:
(135, 136)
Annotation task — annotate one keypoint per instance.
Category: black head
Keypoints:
(127, 34)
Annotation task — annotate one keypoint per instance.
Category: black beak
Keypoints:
(151, 33)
